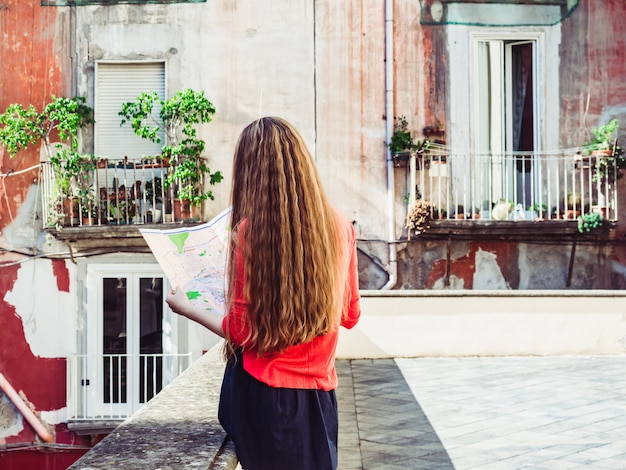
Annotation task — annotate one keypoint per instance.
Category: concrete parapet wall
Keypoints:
(487, 323)
(177, 429)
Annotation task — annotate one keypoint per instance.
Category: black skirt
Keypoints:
(278, 428)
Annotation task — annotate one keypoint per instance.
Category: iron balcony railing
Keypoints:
(114, 386)
(520, 186)
(106, 191)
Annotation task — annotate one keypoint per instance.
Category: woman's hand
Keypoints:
(179, 303)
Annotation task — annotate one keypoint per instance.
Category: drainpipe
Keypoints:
(389, 113)
(27, 413)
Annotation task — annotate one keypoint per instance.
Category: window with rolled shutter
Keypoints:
(116, 83)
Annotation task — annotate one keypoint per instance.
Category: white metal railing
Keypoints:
(114, 386)
(520, 186)
(114, 192)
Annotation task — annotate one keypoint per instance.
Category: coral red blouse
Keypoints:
(308, 365)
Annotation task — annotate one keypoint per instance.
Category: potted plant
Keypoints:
(154, 199)
(502, 209)
(609, 157)
(402, 144)
(418, 218)
(87, 204)
(176, 120)
(21, 127)
(589, 222)
(573, 206)
(123, 212)
(436, 213)
(539, 210)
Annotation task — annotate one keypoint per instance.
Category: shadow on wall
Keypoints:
(372, 275)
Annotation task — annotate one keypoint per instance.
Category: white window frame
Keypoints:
(462, 43)
(95, 274)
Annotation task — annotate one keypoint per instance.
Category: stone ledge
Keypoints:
(176, 429)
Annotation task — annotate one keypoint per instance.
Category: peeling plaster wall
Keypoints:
(34, 64)
(491, 265)
(488, 275)
(11, 422)
(35, 335)
(48, 318)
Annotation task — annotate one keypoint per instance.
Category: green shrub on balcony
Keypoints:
(176, 119)
(22, 127)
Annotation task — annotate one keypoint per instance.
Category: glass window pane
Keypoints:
(114, 345)
(151, 337)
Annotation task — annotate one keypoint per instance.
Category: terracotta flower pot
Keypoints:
(182, 210)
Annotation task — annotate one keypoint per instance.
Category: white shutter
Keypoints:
(116, 83)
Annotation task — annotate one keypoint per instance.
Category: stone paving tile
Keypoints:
(392, 430)
(500, 413)
(524, 412)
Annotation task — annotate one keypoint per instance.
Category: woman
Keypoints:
(293, 281)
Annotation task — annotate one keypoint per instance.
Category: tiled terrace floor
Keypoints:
(508, 413)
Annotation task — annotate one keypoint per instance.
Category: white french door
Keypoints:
(506, 106)
(130, 330)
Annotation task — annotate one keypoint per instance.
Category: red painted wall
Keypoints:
(593, 67)
(34, 64)
(40, 381)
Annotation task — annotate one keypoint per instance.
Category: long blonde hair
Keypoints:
(288, 239)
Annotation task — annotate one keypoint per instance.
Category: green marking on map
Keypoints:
(179, 239)
(202, 254)
(193, 295)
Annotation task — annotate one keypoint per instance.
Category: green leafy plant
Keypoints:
(603, 136)
(589, 222)
(62, 119)
(154, 191)
(539, 208)
(438, 213)
(574, 201)
(87, 200)
(19, 128)
(401, 139)
(611, 160)
(418, 195)
(176, 123)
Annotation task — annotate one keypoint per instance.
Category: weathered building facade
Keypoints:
(521, 82)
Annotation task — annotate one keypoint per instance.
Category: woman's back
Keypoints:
(309, 364)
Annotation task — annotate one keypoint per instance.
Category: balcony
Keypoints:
(103, 390)
(113, 193)
(178, 428)
(500, 189)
